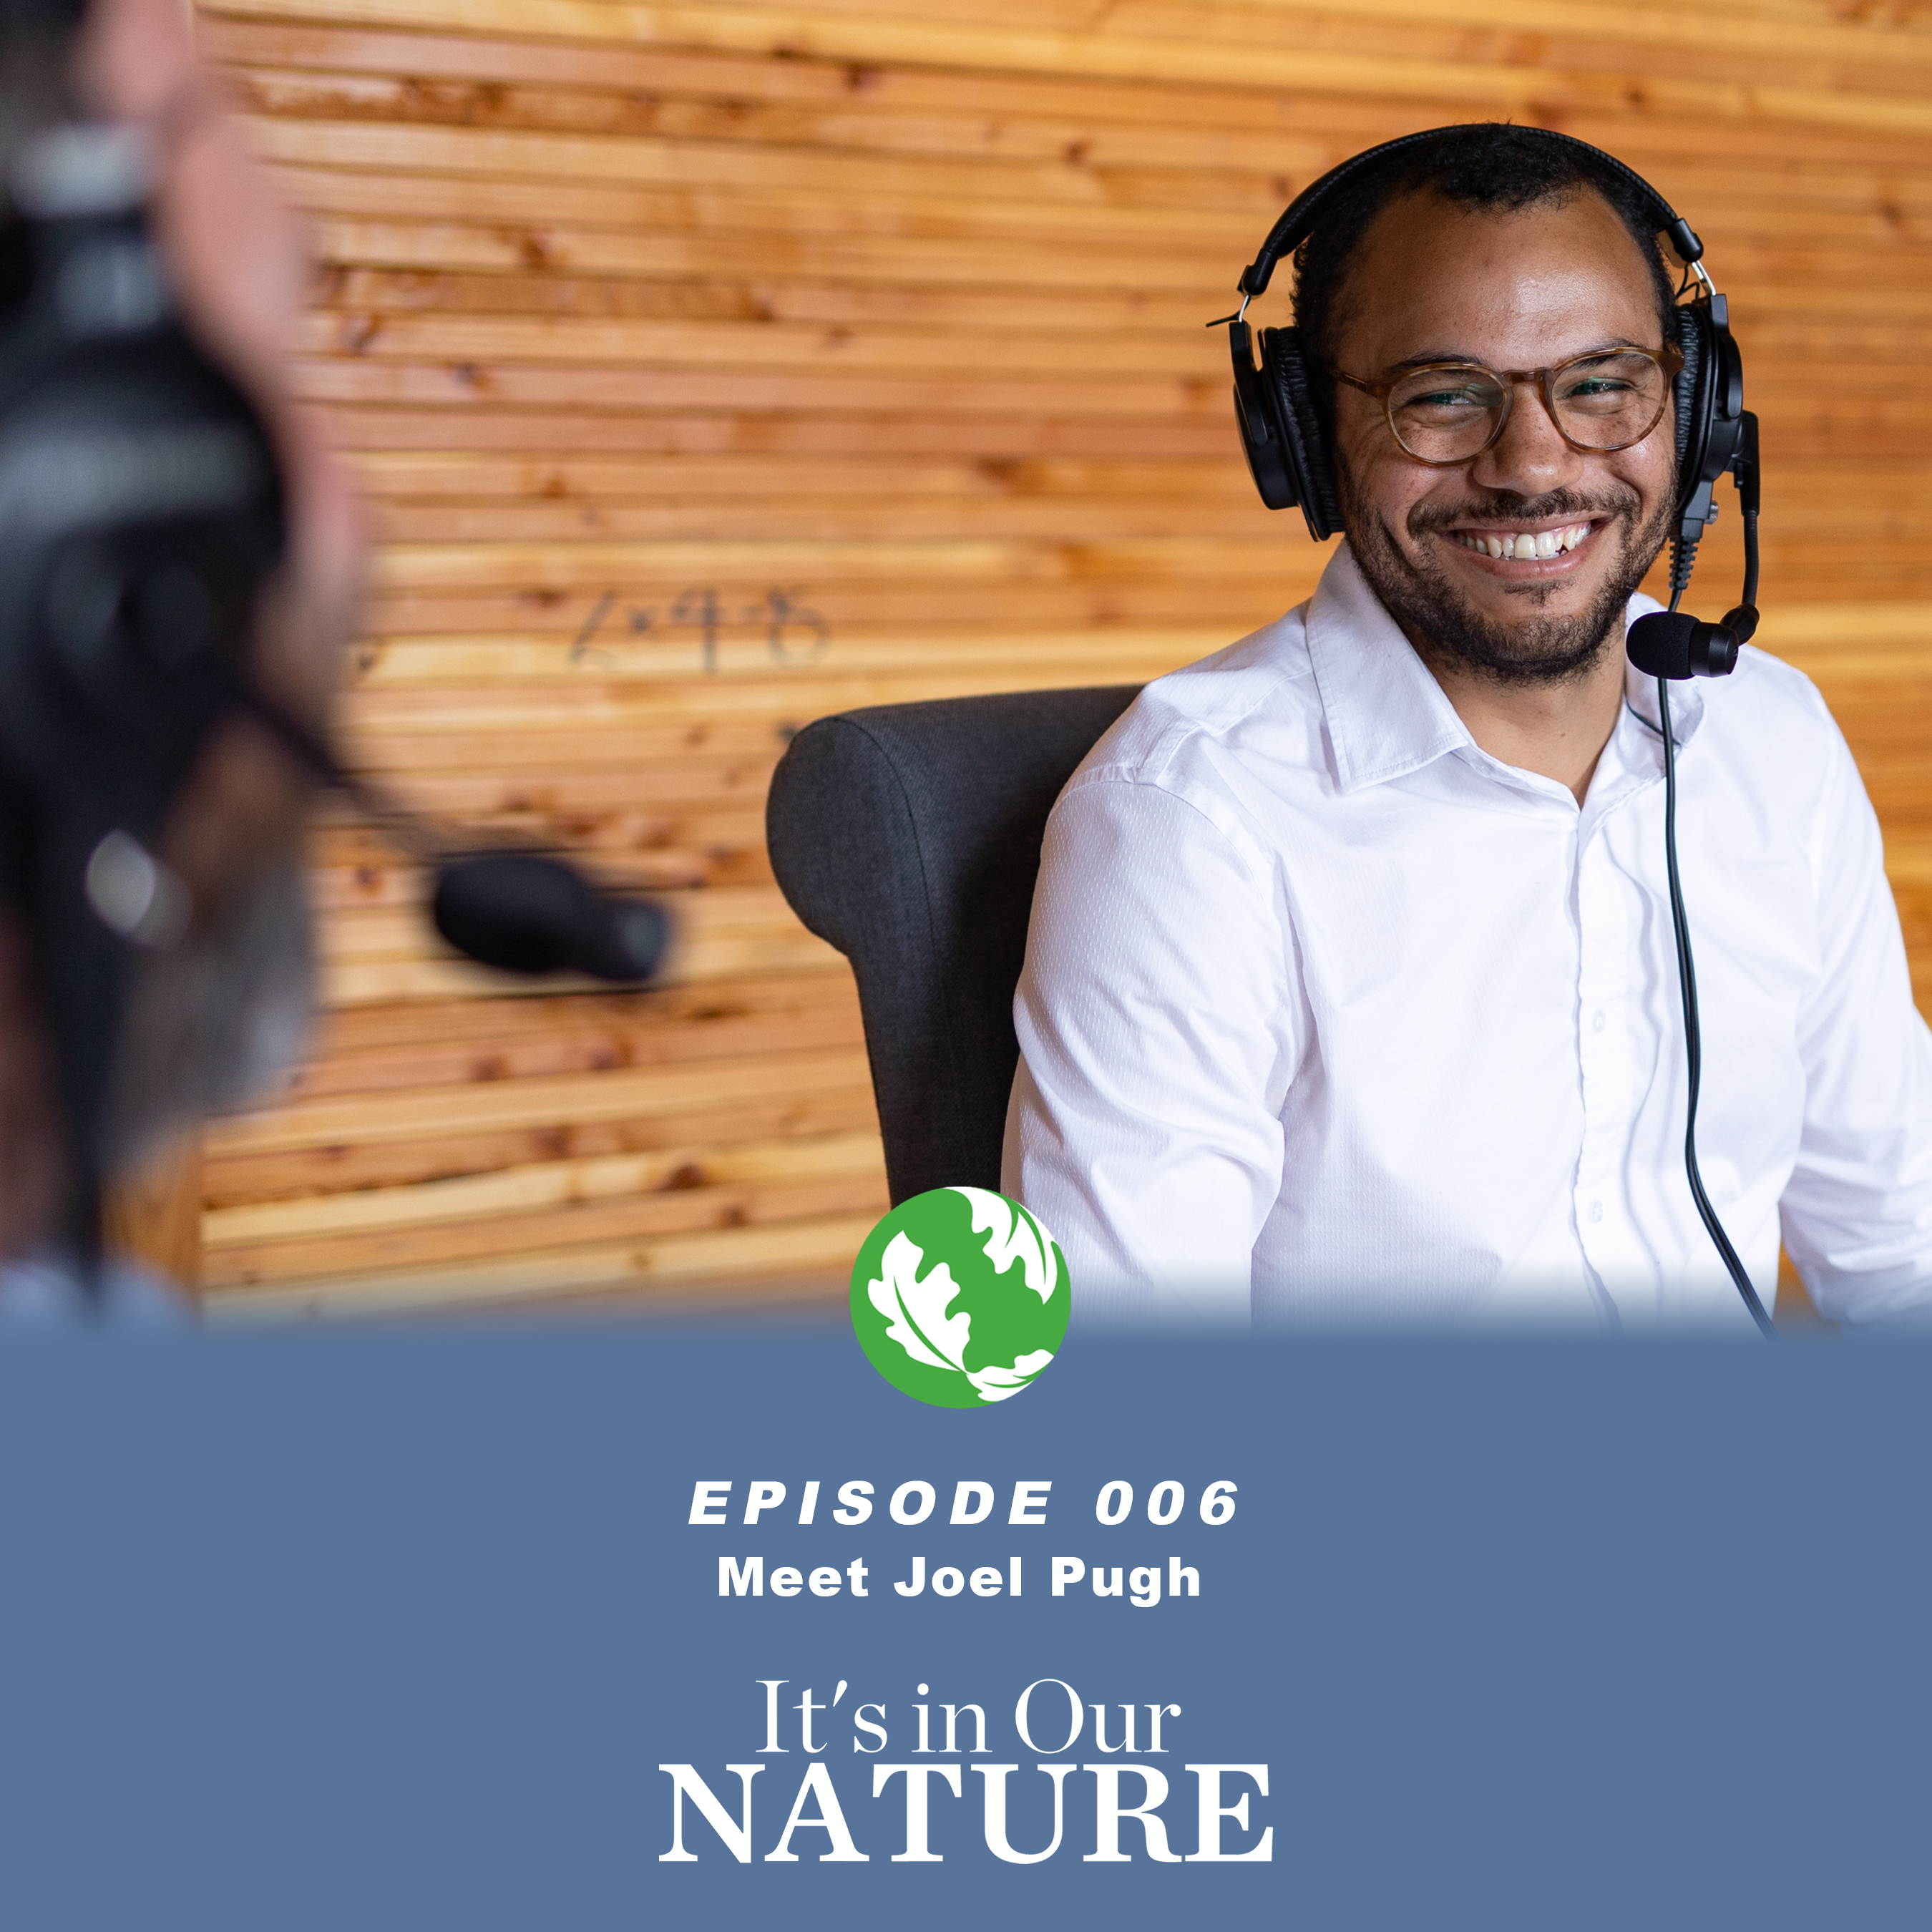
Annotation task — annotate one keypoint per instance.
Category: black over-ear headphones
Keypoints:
(1288, 456)
(1287, 446)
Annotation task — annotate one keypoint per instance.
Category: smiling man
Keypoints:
(1350, 993)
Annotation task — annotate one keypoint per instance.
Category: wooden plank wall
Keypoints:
(713, 367)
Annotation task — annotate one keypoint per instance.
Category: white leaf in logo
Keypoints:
(1013, 1235)
(915, 1310)
(996, 1383)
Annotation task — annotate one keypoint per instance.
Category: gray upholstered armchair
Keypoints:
(908, 836)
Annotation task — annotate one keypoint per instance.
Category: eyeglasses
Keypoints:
(1445, 413)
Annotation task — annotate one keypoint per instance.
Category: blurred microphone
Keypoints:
(527, 912)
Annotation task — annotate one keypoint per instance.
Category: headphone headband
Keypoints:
(1291, 230)
(1277, 402)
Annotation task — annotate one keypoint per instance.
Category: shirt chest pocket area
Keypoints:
(1450, 958)
(1754, 936)
(1756, 944)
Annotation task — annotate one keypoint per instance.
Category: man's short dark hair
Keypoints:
(1487, 165)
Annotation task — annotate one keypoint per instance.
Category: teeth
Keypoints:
(1523, 544)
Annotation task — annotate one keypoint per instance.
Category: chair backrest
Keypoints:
(908, 835)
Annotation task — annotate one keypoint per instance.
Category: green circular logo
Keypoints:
(959, 1297)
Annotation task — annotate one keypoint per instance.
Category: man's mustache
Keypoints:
(1504, 506)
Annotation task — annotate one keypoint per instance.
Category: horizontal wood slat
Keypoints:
(1740, 34)
(1501, 76)
(1077, 192)
(711, 101)
(806, 1258)
(1878, 357)
(409, 1160)
(711, 367)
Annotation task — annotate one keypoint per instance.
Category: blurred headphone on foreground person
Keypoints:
(168, 521)
(180, 562)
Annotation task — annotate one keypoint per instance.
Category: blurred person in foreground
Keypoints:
(1350, 995)
(211, 1016)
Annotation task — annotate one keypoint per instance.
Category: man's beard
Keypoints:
(1539, 649)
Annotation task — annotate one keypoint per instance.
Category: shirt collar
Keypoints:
(1387, 715)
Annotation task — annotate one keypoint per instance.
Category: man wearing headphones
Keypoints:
(1352, 993)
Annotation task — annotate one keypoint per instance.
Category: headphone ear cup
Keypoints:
(1694, 396)
(1285, 374)
(1262, 439)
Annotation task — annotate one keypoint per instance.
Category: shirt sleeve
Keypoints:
(1156, 1017)
(1857, 1214)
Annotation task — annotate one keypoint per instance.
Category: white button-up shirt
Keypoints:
(1328, 1014)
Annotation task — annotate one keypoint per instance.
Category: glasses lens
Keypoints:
(1608, 402)
(1443, 414)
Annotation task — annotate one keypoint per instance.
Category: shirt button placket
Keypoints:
(1604, 1073)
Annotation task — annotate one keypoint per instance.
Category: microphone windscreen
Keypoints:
(1659, 645)
(1674, 644)
(527, 913)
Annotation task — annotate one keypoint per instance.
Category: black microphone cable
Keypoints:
(1687, 970)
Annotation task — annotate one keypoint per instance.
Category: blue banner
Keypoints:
(606, 1626)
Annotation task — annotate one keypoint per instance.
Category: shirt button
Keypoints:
(1597, 1024)
(1596, 1210)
